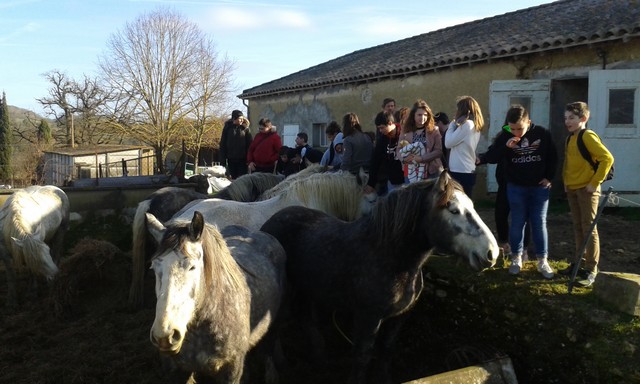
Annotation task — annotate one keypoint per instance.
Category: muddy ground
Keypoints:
(87, 334)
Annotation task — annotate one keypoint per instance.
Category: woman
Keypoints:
(462, 140)
(264, 150)
(420, 128)
(531, 160)
(357, 146)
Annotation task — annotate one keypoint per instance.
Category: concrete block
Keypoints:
(621, 290)
(499, 371)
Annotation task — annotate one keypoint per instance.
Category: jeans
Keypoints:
(501, 216)
(528, 204)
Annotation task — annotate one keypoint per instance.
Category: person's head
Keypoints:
(420, 116)
(237, 117)
(401, 115)
(385, 123)
(284, 153)
(350, 124)
(301, 139)
(264, 125)
(332, 130)
(467, 106)
(388, 105)
(338, 142)
(576, 115)
(441, 119)
(518, 120)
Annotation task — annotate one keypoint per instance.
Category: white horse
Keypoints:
(32, 220)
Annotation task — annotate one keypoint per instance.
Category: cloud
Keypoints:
(257, 18)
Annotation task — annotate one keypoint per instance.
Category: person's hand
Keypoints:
(590, 188)
(252, 166)
(545, 183)
(477, 160)
(368, 189)
(513, 142)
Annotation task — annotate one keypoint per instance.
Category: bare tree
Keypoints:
(155, 67)
(77, 106)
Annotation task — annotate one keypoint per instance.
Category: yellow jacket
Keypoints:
(577, 172)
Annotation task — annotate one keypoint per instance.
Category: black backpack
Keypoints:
(587, 156)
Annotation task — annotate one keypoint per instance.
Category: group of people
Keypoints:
(241, 153)
(527, 160)
(413, 144)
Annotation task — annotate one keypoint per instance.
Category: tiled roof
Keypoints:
(557, 25)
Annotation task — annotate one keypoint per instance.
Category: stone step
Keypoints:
(499, 371)
(621, 290)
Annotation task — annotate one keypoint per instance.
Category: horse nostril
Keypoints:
(175, 337)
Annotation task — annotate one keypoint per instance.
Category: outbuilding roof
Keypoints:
(558, 25)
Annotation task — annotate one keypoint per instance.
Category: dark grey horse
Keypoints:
(371, 267)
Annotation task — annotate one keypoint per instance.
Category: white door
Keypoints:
(289, 133)
(614, 104)
(531, 94)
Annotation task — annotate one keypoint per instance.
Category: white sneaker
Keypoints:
(591, 278)
(516, 265)
(545, 268)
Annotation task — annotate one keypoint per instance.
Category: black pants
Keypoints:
(236, 168)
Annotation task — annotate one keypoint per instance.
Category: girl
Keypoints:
(420, 128)
(462, 139)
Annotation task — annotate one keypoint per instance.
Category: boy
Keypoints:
(582, 185)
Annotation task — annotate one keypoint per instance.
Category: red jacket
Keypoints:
(264, 149)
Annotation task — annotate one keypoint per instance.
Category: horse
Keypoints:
(33, 221)
(372, 267)
(166, 202)
(339, 194)
(217, 294)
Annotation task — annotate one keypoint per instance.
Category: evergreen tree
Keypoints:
(6, 140)
(44, 132)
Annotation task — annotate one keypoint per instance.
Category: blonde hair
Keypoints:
(468, 106)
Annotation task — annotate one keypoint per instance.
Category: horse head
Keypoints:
(457, 227)
(179, 267)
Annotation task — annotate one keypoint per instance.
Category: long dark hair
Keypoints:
(350, 124)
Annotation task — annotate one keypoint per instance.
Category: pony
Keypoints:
(165, 202)
(33, 221)
(371, 268)
(217, 294)
(339, 194)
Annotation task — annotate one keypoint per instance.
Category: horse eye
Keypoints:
(192, 268)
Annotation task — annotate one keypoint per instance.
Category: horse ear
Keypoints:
(362, 177)
(197, 226)
(18, 242)
(443, 180)
(155, 227)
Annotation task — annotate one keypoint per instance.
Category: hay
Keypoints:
(95, 272)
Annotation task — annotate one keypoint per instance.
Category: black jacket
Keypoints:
(535, 158)
(234, 142)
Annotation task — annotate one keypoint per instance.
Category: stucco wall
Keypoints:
(441, 88)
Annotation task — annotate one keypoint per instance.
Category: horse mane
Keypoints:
(402, 211)
(284, 185)
(220, 268)
(337, 193)
(249, 187)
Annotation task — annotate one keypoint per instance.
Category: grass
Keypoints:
(550, 335)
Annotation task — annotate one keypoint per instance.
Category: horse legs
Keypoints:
(57, 244)
(366, 328)
(12, 295)
(384, 348)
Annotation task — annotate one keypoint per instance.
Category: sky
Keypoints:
(267, 40)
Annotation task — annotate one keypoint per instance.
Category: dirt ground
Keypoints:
(85, 334)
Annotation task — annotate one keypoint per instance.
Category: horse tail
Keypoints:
(138, 254)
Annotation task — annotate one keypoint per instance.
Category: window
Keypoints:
(621, 107)
(319, 138)
(525, 101)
